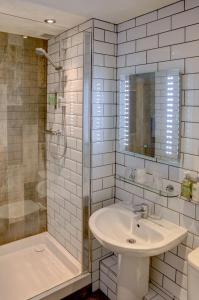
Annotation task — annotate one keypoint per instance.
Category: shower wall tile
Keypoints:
(125, 48)
(64, 168)
(104, 48)
(190, 4)
(126, 25)
(147, 18)
(121, 37)
(104, 25)
(171, 9)
(22, 139)
(172, 37)
(192, 33)
(159, 26)
(136, 32)
(147, 43)
(103, 128)
(186, 18)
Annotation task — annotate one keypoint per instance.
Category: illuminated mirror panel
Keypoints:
(149, 114)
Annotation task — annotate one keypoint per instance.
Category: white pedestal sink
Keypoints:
(135, 240)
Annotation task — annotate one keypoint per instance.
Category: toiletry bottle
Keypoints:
(195, 190)
(140, 175)
(157, 181)
(186, 187)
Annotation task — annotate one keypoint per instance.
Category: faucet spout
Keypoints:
(143, 209)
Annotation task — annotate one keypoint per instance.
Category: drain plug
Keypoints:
(131, 241)
(39, 249)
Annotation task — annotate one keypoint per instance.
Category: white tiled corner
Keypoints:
(136, 32)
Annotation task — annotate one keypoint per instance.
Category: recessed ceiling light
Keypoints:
(50, 21)
(25, 36)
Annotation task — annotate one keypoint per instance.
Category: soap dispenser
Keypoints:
(186, 187)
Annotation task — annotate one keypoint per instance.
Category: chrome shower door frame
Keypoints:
(86, 147)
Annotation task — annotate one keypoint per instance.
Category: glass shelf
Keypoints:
(170, 194)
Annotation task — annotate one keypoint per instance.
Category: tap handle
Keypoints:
(143, 206)
(144, 210)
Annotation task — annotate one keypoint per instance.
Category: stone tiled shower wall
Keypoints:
(164, 39)
(103, 127)
(22, 138)
(64, 175)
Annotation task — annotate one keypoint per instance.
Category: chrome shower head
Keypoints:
(42, 52)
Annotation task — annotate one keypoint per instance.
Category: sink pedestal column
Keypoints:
(133, 277)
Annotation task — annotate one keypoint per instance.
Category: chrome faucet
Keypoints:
(143, 209)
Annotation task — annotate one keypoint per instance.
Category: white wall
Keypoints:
(65, 178)
(103, 127)
(161, 40)
(64, 185)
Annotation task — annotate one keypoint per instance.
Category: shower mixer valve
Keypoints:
(53, 132)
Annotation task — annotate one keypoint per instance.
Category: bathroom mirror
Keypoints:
(149, 114)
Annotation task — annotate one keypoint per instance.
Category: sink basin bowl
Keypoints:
(135, 239)
(122, 231)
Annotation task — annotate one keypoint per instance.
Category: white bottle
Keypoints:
(195, 191)
(140, 176)
(157, 181)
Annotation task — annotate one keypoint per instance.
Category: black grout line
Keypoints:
(165, 31)
(177, 13)
(106, 42)
(165, 46)
(105, 29)
(107, 22)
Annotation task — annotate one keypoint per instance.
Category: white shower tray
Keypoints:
(35, 265)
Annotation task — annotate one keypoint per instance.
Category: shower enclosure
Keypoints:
(22, 139)
(44, 164)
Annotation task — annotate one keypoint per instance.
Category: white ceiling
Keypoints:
(26, 16)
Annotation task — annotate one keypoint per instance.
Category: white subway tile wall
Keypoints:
(103, 127)
(171, 41)
(64, 175)
(160, 40)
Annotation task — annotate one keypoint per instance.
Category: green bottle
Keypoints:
(186, 187)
